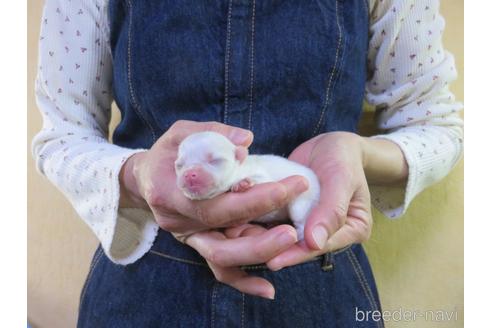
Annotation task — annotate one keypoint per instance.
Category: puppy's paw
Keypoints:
(242, 185)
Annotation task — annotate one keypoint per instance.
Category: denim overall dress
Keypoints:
(286, 69)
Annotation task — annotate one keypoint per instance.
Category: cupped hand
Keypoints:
(343, 214)
(246, 244)
(148, 180)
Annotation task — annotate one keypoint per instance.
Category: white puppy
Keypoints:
(208, 164)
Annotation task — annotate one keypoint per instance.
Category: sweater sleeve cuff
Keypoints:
(133, 237)
(430, 155)
(128, 232)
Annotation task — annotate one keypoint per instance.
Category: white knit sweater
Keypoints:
(410, 73)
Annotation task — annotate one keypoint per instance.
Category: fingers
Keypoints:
(251, 249)
(177, 223)
(241, 153)
(182, 128)
(251, 245)
(354, 231)
(236, 208)
(331, 212)
(296, 254)
(357, 229)
(206, 242)
(241, 281)
(244, 230)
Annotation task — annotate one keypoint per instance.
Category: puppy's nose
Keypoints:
(192, 177)
(196, 181)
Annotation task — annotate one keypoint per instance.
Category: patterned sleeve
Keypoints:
(408, 84)
(73, 93)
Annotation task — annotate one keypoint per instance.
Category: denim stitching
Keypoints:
(363, 281)
(244, 267)
(333, 70)
(97, 258)
(129, 72)
(317, 258)
(214, 292)
(361, 278)
(341, 250)
(227, 58)
(356, 261)
(366, 5)
(177, 258)
(252, 67)
(242, 312)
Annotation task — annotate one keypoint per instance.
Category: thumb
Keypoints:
(181, 129)
(331, 212)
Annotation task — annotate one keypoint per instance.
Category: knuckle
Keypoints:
(154, 197)
(179, 124)
(220, 277)
(246, 213)
(258, 253)
(361, 237)
(339, 214)
(363, 231)
(169, 225)
(213, 126)
(220, 259)
(216, 256)
(208, 253)
(278, 199)
(366, 232)
(211, 255)
(203, 216)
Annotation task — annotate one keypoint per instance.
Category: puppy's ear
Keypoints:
(241, 153)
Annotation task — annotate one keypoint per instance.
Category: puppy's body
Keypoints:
(268, 168)
(208, 165)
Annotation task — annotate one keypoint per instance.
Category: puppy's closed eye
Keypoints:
(178, 165)
(216, 161)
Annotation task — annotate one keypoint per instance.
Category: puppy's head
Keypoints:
(206, 164)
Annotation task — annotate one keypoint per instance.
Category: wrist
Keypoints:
(365, 148)
(129, 192)
(383, 162)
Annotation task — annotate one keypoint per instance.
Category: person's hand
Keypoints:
(246, 244)
(343, 214)
(148, 180)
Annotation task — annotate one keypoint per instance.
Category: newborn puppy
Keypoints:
(208, 164)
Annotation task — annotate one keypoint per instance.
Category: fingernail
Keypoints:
(269, 295)
(320, 235)
(302, 185)
(274, 266)
(240, 136)
(286, 238)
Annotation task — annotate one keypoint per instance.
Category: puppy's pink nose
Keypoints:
(191, 176)
(195, 177)
(196, 180)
